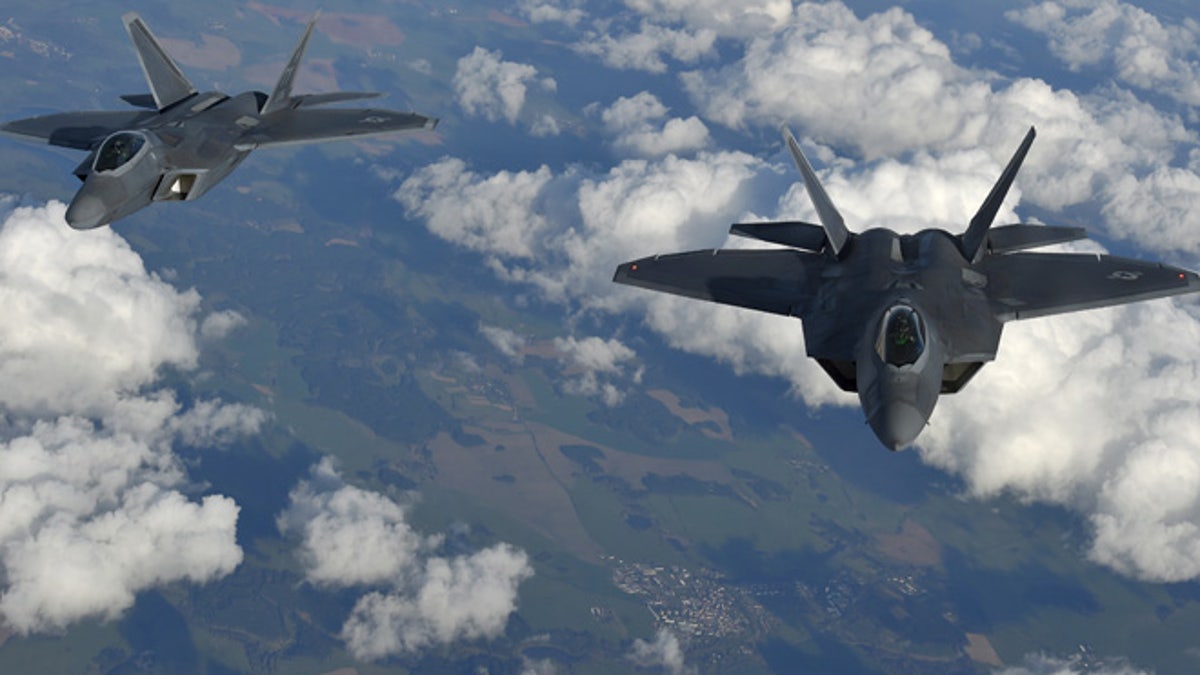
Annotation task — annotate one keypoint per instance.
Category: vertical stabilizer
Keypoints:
(975, 237)
(281, 98)
(835, 228)
(167, 82)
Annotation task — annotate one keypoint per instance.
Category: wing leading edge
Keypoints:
(1027, 285)
(775, 281)
(78, 130)
(308, 125)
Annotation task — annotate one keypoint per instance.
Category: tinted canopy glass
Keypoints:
(902, 338)
(118, 149)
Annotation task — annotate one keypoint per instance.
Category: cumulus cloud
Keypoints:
(501, 213)
(634, 121)
(569, 13)
(85, 322)
(1120, 39)
(354, 537)
(1101, 416)
(505, 341)
(645, 48)
(90, 507)
(488, 86)
(591, 361)
(218, 325)
(664, 652)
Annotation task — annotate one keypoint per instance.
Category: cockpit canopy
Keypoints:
(118, 149)
(901, 336)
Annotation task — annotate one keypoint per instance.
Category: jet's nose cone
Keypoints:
(86, 212)
(897, 424)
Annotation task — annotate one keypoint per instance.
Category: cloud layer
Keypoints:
(353, 537)
(91, 511)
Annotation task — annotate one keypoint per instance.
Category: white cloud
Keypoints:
(1121, 39)
(90, 508)
(1049, 665)
(545, 126)
(460, 598)
(92, 564)
(538, 667)
(488, 86)
(218, 325)
(665, 653)
(212, 423)
(422, 66)
(505, 341)
(591, 365)
(634, 122)
(742, 19)
(1100, 414)
(1161, 208)
(644, 49)
(353, 537)
(500, 213)
(84, 320)
(544, 12)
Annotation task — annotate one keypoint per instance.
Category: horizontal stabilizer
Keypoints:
(167, 82)
(309, 100)
(795, 233)
(141, 101)
(1010, 238)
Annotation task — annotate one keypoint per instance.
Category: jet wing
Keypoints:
(1026, 285)
(309, 126)
(774, 280)
(79, 130)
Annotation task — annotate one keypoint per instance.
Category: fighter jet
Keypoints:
(902, 318)
(182, 142)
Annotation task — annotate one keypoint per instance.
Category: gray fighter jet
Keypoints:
(182, 142)
(900, 319)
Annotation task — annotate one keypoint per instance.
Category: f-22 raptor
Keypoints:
(901, 319)
(183, 142)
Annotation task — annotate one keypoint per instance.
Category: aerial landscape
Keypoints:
(376, 406)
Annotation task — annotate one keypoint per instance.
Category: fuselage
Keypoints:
(178, 155)
(928, 328)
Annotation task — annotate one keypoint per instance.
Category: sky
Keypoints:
(909, 124)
